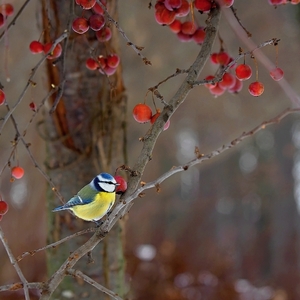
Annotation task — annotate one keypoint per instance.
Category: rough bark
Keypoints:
(85, 136)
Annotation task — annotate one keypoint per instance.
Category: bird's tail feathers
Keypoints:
(59, 208)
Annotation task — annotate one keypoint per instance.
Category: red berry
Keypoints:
(203, 5)
(108, 70)
(276, 74)
(154, 117)
(102, 61)
(276, 2)
(243, 72)
(172, 4)
(36, 47)
(3, 207)
(2, 97)
(142, 113)
(17, 172)
(96, 22)
(56, 52)
(199, 35)
(80, 25)
(237, 87)
(256, 88)
(2, 20)
(6, 9)
(122, 187)
(91, 64)
(217, 90)
(163, 16)
(113, 60)
(32, 106)
(175, 26)
(213, 58)
(228, 81)
(104, 34)
(223, 58)
(184, 37)
(98, 9)
(210, 85)
(183, 10)
(86, 4)
(188, 27)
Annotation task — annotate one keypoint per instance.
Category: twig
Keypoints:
(19, 285)
(129, 43)
(34, 70)
(15, 264)
(55, 244)
(77, 273)
(290, 92)
(220, 74)
(13, 21)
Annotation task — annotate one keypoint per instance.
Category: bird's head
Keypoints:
(104, 182)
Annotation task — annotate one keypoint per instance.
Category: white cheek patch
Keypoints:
(107, 187)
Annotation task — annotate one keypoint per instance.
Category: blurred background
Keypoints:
(225, 229)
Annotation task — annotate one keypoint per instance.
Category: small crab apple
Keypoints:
(87, 4)
(102, 61)
(188, 27)
(80, 25)
(203, 6)
(108, 70)
(256, 88)
(217, 90)
(243, 72)
(154, 117)
(32, 106)
(223, 58)
(210, 85)
(276, 2)
(276, 74)
(213, 58)
(96, 22)
(113, 60)
(228, 81)
(17, 172)
(199, 35)
(172, 4)
(3, 207)
(91, 64)
(184, 37)
(104, 34)
(2, 20)
(98, 9)
(237, 87)
(36, 47)
(163, 16)
(183, 10)
(2, 97)
(142, 113)
(56, 52)
(122, 184)
(175, 26)
(6, 9)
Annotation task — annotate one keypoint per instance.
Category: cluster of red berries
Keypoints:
(233, 83)
(6, 10)
(97, 23)
(168, 12)
(37, 47)
(142, 113)
(279, 2)
(3, 208)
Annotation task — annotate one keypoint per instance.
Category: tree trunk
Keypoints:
(85, 136)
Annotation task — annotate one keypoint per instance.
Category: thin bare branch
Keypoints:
(14, 263)
(79, 274)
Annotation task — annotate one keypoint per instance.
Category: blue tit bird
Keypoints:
(94, 200)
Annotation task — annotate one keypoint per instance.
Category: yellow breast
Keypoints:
(95, 210)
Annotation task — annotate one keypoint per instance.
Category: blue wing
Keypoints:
(75, 201)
